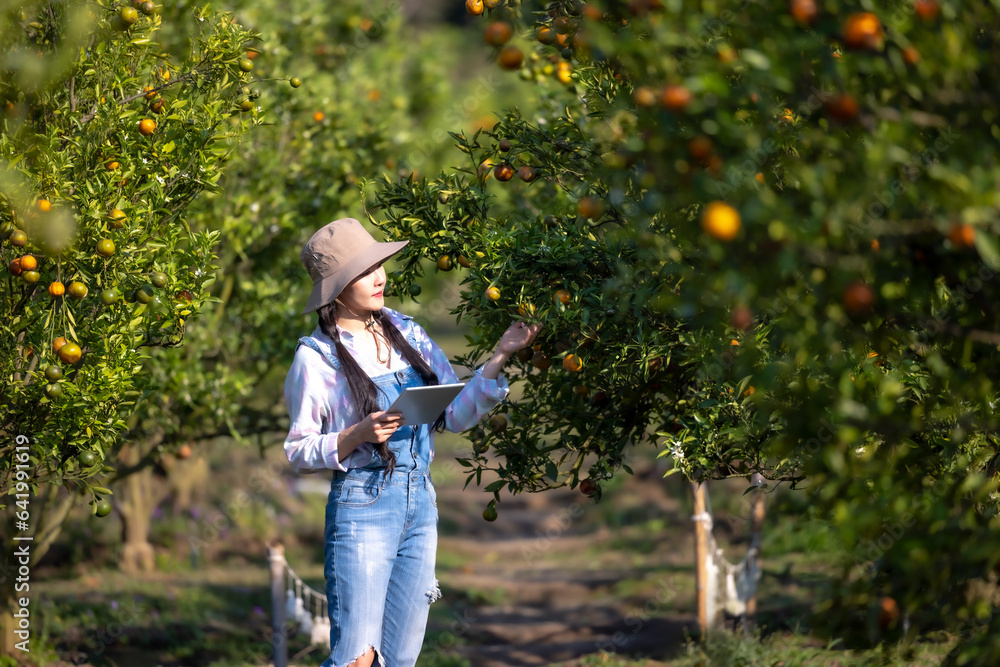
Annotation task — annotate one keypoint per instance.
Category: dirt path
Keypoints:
(558, 577)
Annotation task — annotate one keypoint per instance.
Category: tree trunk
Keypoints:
(140, 492)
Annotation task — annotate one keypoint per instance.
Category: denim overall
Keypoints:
(381, 543)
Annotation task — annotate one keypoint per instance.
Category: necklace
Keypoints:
(380, 339)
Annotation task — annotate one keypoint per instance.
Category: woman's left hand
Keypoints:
(517, 336)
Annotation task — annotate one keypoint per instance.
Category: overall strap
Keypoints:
(330, 356)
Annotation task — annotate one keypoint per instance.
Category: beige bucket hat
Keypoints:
(337, 254)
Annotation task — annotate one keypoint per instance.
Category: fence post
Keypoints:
(276, 559)
(701, 555)
(757, 512)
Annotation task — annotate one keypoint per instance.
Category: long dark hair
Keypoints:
(363, 390)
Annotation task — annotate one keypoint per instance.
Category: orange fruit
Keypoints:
(863, 30)
(540, 360)
(29, 263)
(58, 343)
(858, 298)
(70, 353)
(675, 98)
(56, 289)
(485, 169)
(318, 116)
(888, 612)
(527, 173)
(503, 172)
(374, 95)
(843, 107)
(474, 7)
(760, 177)
(493, 293)
(444, 263)
(150, 93)
(158, 105)
(741, 318)
(927, 10)
(105, 248)
(497, 33)
(644, 96)
(44, 205)
(184, 452)
(875, 245)
(721, 221)
(464, 262)
(750, 391)
(588, 487)
(572, 363)
(564, 72)
(146, 127)
(911, 56)
(510, 57)
(700, 148)
(77, 290)
(18, 238)
(15, 266)
(526, 310)
(111, 165)
(804, 11)
(961, 236)
(117, 216)
(590, 208)
(561, 296)
(546, 35)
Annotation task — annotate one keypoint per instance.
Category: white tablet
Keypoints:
(423, 405)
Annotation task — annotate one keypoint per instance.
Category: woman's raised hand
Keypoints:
(517, 336)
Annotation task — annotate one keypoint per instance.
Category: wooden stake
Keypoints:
(756, 531)
(276, 559)
(701, 555)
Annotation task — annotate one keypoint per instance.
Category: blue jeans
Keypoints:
(381, 545)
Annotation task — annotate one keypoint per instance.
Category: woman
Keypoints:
(381, 515)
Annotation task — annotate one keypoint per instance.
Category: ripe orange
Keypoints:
(927, 10)
(526, 310)
(561, 296)
(564, 72)
(644, 96)
(150, 93)
(546, 35)
(184, 452)
(70, 353)
(843, 107)
(29, 263)
(15, 267)
(318, 116)
(444, 263)
(464, 262)
(676, 98)
(760, 177)
(111, 165)
(750, 391)
(493, 293)
(503, 172)
(858, 298)
(572, 363)
(44, 205)
(804, 11)
(888, 612)
(510, 58)
(58, 343)
(863, 30)
(588, 487)
(961, 236)
(474, 7)
(700, 148)
(117, 216)
(911, 56)
(540, 360)
(590, 208)
(498, 33)
(146, 127)
(158, 105)
(56, 289)
(527, 173)
(875, 245)
(485, 169)
(721, 221)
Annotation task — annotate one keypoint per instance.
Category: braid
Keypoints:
(398, 341)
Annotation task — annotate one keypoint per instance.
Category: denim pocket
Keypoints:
(359, 493)
(433, 492)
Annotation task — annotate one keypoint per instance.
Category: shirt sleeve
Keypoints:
(477, 398)
(307, 393)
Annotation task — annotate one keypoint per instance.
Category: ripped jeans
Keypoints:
(381, 546)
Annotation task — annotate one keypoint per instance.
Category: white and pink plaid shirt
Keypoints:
(320, 404)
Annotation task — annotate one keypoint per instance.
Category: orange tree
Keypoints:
(106, 142)
(762, 237)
